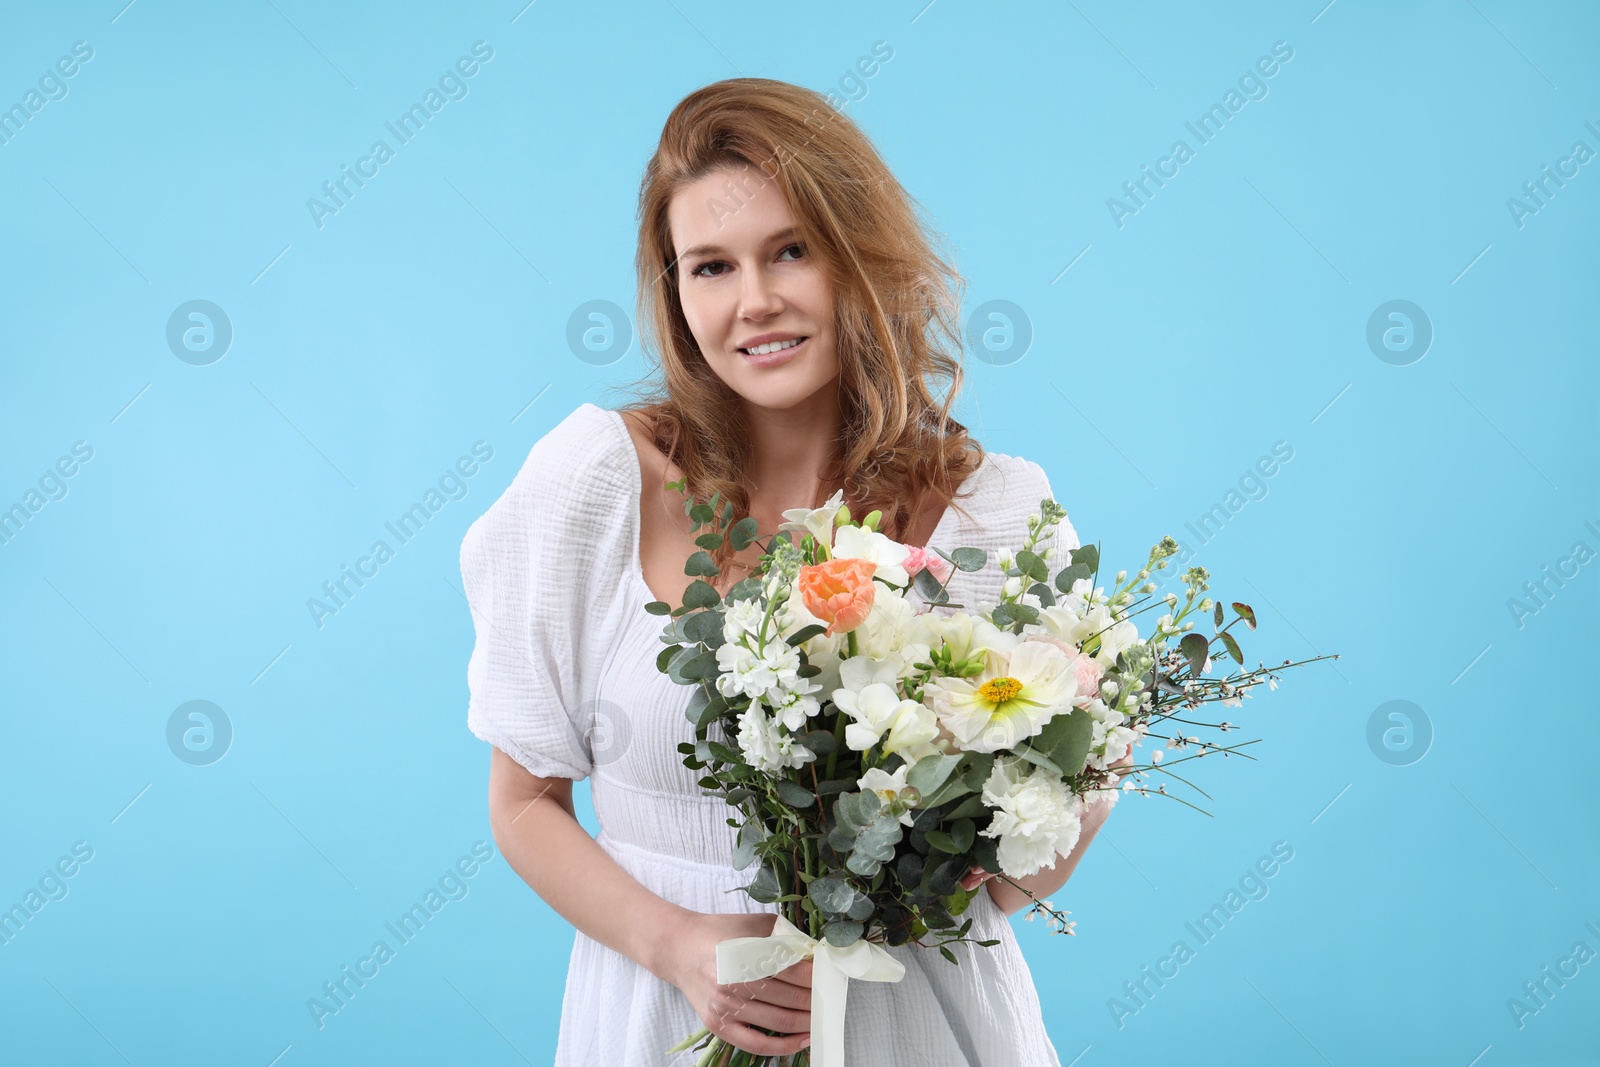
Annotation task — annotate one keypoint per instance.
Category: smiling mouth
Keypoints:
(770, 348)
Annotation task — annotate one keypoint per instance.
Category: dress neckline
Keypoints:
(636, 567)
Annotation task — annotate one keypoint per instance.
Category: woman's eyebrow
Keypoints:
(717, 250)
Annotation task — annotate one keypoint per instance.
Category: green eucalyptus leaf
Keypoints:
(930, 772)
(765, 888)
(794, 794)
(751, 834)
(969, 559)
(1065, 740)
(1032, 566)
(701, 665)
(699, 700)
(704, 627)
(1037, 758)
(833, 894)
(842, 933)
(743, 533)
(929, 587)
(822, 743)
(700, 564)
(700, 594)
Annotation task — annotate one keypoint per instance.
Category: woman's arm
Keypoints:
(539, 834)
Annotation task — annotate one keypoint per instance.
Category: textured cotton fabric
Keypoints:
(563, 679)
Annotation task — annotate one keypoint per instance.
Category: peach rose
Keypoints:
(838, 592)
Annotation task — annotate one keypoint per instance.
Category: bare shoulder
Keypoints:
(655, 466)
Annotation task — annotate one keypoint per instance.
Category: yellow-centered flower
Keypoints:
(1007, 702)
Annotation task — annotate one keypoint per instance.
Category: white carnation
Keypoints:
(1036, 817)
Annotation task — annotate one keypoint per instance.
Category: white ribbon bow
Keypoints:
(746, 959)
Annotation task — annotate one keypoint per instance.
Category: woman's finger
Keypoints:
(770, 1017)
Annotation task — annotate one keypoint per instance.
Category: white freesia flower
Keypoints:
(1064, 622)
(887, 786)
(1009, 701)
(818, 522)
(1036, 817)
(966, 635)
(858, 542)
(1124, 635)
(858, 672)
(879, 710)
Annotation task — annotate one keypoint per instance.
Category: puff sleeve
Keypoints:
(543, 569)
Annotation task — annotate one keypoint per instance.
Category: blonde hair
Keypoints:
(896, 306)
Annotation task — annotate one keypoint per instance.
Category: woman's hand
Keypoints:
(781, 1002)
(974, 877)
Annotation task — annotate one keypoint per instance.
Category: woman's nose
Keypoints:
(758, 296)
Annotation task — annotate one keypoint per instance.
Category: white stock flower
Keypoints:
(769, 674)
(1009, 701)
(742, 617)
(887, 786)
(858, 542)
(1036, 817)
(1110, 743)
(764, 747)
(818, 522)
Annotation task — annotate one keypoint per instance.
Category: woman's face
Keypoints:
(745, 283)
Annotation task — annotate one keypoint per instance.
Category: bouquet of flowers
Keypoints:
(876, 753)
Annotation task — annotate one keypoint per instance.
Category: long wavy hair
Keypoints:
(896, 312)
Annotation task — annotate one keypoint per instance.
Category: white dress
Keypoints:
(563, 679)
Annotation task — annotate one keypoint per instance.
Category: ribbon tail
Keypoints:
(831, 971)
(829, 988)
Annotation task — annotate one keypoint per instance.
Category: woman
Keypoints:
(799, 312)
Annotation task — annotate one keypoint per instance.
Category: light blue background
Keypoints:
(430, 313)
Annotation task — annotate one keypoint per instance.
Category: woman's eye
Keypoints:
(699, 271)
(793, 248)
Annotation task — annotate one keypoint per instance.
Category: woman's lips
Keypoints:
(773, 359)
